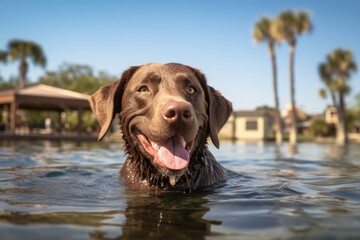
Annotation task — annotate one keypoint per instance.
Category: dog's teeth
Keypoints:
(172, 180)
(154, 145)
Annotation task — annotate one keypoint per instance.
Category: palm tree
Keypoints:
(3, 56)
(335, 73)
(21, 50)
(262, 33)
(287, 27)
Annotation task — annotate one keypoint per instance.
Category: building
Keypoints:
(286, 116)
(252, 125)
(38, 97)
(331, 115)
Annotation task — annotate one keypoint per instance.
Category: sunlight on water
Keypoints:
(73, 191)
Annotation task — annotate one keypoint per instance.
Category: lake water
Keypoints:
(73, 191)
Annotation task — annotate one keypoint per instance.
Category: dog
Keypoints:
(167, 112)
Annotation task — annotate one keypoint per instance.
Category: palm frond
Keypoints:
(288, 25)
(262, 30)
(22, 49)
(3, 56)
(323, 93)
(337, 70)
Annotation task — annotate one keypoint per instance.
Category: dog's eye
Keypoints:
(191, 89)
(143, 89)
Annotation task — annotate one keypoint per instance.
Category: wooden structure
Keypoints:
(41, 97)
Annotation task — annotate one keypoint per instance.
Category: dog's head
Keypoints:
(165, 109)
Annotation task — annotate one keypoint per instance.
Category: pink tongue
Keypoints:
(173, 154)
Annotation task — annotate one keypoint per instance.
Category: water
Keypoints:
(73, 191)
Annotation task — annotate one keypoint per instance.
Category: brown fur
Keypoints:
(139, 109)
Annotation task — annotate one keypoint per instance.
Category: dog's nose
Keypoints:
(177, 111)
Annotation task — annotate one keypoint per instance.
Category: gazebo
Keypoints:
(40, 97)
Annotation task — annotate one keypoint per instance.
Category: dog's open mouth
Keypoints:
(172, 154)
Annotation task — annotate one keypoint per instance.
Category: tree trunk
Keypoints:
(341, 133)
(23, 68)
(333, 98)
(13, 110)
(293, 127)
(338, 128)
(278, 130)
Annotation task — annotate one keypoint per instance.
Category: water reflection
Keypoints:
(69, 218)
(163, 216)
(292, 150)
(337, 152)
(277, 151)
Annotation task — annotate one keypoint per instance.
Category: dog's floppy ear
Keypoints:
(219, 108)
(106, 101)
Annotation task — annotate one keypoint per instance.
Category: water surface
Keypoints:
(73, 191)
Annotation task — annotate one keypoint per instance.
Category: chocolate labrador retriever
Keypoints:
(167, 112)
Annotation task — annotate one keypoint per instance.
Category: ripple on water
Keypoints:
(272, 193)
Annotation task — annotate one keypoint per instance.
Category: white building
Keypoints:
(252, 125)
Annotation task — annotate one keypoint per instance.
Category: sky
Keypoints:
(214, 36)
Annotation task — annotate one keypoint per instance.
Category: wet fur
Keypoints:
(202, 171)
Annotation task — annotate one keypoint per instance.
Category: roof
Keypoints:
(249, 113)
(44, 97)
(49, 91)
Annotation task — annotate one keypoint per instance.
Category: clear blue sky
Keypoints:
(215, 36)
